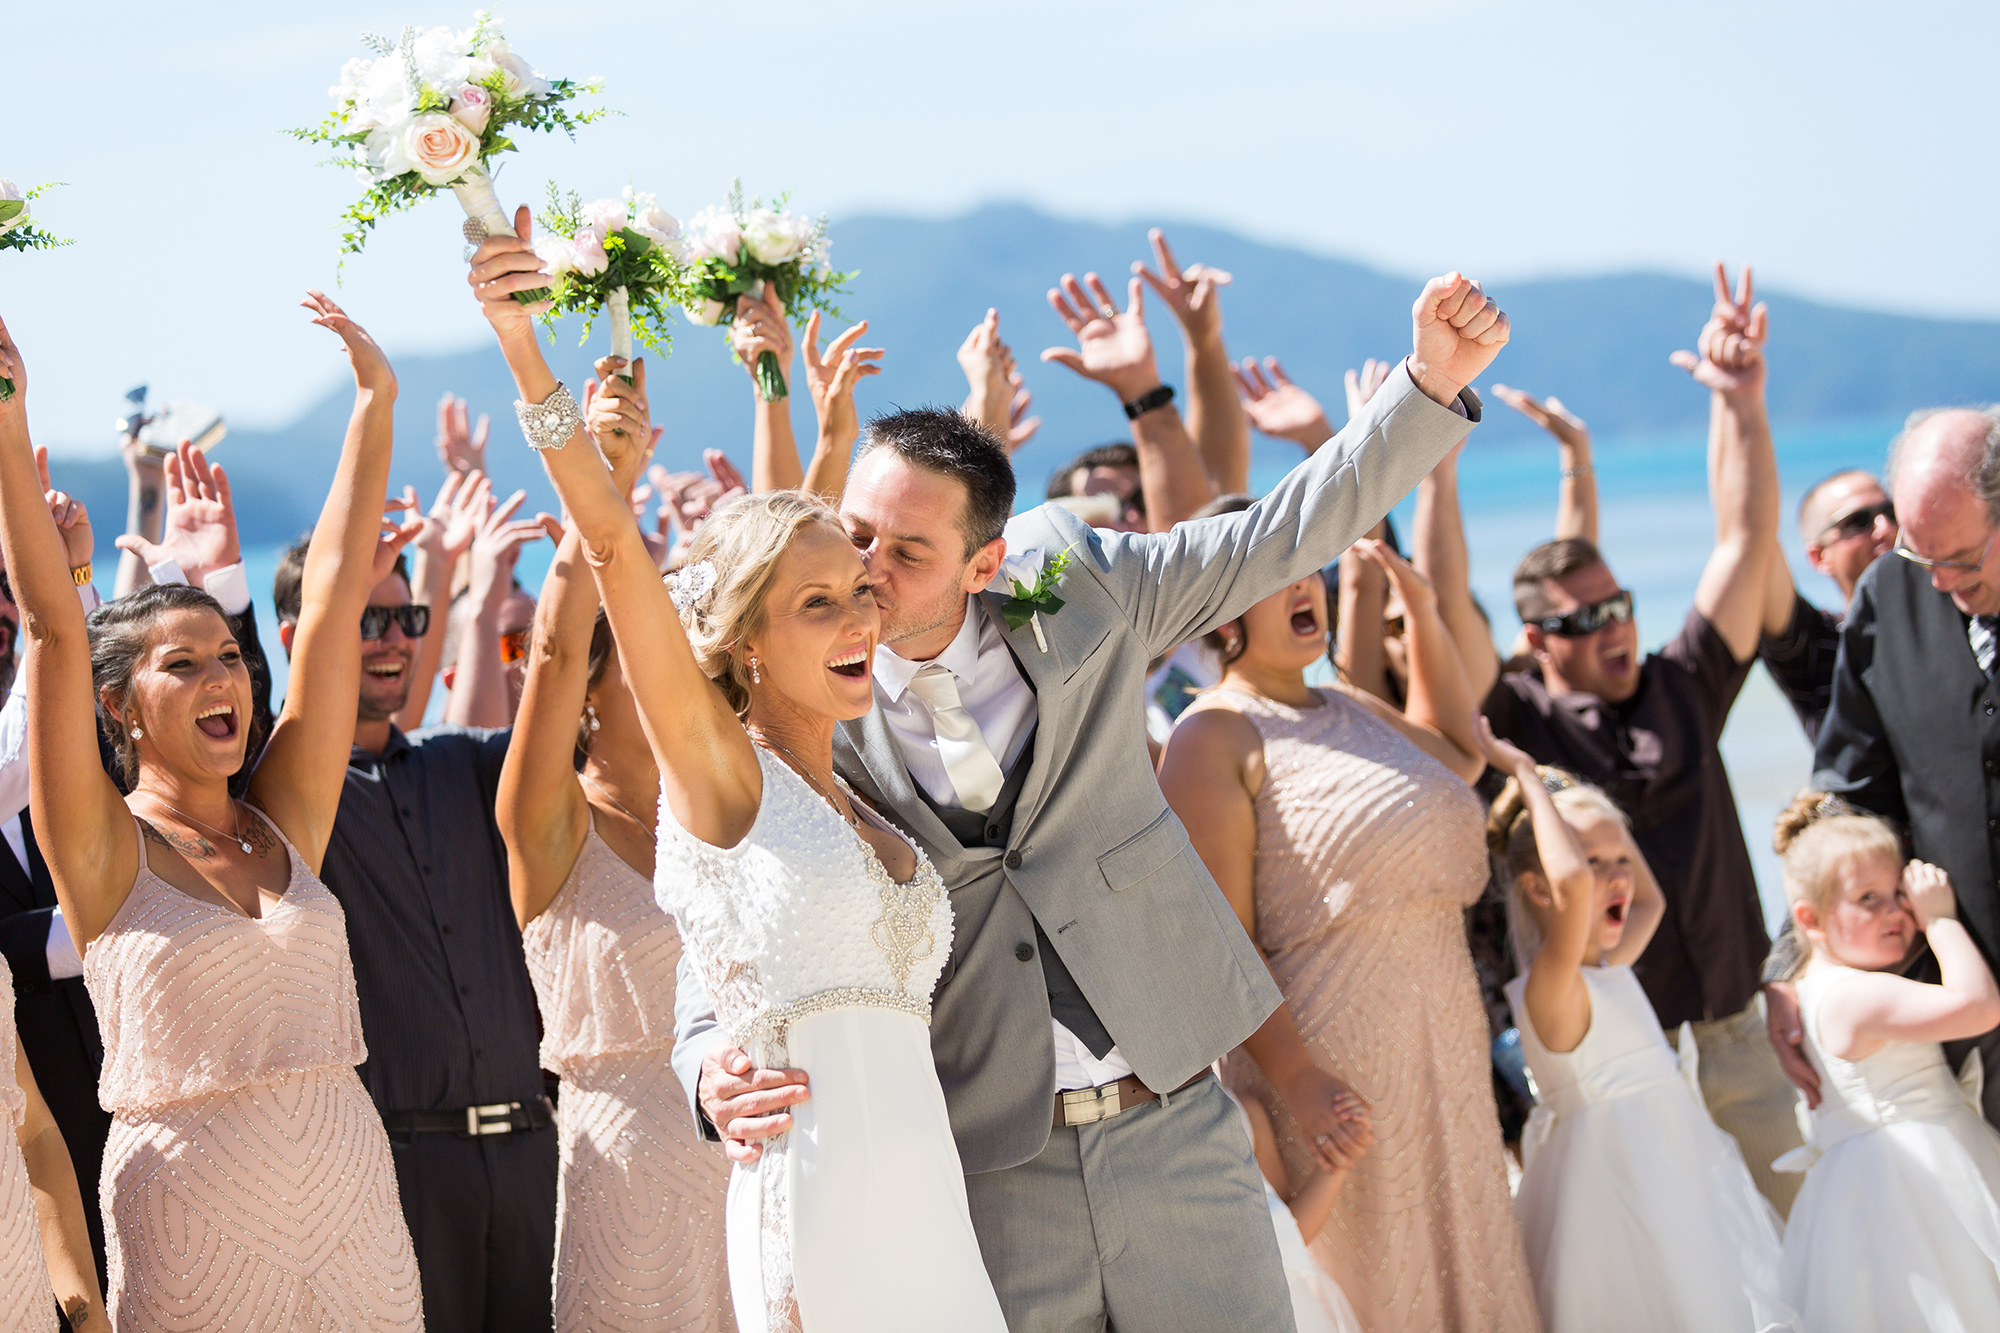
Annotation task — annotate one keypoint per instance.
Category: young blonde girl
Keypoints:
(1897, 1224)
(1318, 1305)
(1635, 1210)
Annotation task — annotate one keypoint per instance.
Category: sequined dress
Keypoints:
(26, 1299)
(639, 1220)
(855, 1219)
(247, 1182)
(1368, 853)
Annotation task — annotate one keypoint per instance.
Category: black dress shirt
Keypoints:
(1801, 662)
(418, 865)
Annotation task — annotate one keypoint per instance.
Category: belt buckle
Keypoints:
(491, 1119)
(1087, 1106)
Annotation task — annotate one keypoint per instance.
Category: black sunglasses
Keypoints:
(1586, 620)
(1857, 523)
(415, 620)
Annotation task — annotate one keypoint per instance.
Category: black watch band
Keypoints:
(1157, 396)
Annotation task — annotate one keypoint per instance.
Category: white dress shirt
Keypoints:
(992, 689)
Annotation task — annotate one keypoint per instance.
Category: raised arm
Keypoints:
(91, 847)
(760, 327)
(708, 768)
(1114, 349)
(1743, 473)
(830, 379)
(1360, 653)
(1215, 416)
(1866, 1010)
(479, 684)
(1280, 408)
(1576, 496)
(463, 501)
(304, 769)
(1439, 712)
(1438, 541)
(145, 511)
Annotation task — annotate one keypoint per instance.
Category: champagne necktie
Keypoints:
(974, 772)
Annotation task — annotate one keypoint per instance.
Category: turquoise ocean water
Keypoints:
(1656, 529)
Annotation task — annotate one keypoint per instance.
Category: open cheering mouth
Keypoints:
(1614, 912)
(853, 665)
(387, 668)
(217, 722)
(1305, 621)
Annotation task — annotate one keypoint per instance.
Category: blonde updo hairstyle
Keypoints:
(1816, 835)
(744, 539)
(1510, 837)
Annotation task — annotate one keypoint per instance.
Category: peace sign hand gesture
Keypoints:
(1731, 360)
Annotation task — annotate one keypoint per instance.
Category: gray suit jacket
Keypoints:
(1096, 856)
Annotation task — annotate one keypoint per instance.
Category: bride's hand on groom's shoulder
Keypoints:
(745, 1103)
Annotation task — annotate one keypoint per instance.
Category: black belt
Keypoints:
(473, 1121)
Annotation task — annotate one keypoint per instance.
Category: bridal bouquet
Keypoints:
(619, 255)
(735, 250)
(432, 111)
(17, 232)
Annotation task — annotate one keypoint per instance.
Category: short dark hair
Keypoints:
(941, 440)
(287, 584)
(1546, 563)
(1119, 453)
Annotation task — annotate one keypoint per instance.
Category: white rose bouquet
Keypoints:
(733, 251)
(619, 255)
(432, 111)
(18, 232)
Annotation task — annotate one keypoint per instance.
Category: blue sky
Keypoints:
(1840, 147)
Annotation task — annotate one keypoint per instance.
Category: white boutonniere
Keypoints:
(1030, 579)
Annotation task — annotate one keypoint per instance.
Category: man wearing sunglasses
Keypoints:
(1646, 728)
(1914, 730)
(1847, 521)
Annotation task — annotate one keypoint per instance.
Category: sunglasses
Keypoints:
(1587, 620)
(1954, 566)
(415, 620)
(1857, 523)
(514, 645)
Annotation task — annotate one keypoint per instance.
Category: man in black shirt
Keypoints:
(446, 1005)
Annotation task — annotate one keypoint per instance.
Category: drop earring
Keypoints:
(756, 677)
(590, 711)
(136, 733)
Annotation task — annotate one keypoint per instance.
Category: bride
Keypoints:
(819, 929)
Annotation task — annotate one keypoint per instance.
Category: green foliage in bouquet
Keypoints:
(593, 251)
(18, 232)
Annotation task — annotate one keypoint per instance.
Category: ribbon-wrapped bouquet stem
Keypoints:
(621, 256)
(18, 232)
(735, 250)
(431, 112)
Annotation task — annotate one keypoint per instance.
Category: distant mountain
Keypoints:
(1601, 343)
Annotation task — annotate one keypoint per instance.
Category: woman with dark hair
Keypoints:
(639, 1218)
(1344, 834)
(247, 1182)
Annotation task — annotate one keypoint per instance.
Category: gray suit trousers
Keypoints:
(1151, 1222)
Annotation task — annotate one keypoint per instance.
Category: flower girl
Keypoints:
(1897, 1225)
(1636, 1211)
(1318, 1305)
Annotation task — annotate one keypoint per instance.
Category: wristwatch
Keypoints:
(1157, 396)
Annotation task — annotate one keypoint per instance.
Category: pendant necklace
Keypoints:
(236, 837)
(792, 760)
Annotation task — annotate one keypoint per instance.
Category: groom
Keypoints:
(1096, 969)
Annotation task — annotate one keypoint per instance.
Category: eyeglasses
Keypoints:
(1954, 566)
(1587, 620)
(1856, 523)
(514, 644)
(415, 620)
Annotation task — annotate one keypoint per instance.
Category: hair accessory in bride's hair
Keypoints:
(690, 584)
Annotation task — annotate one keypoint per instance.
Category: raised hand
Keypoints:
(372, 373)
(1928, 890)
(453, 521)
(728, 480)
(1457, 330)
(72, 519)
(1020, 426)
(1361, 385)
(760, 327)
(1410, 584)
(461, 446)
(503, 265)
(1731, 349)
(988, 364)
(1191, 293)
(394, 535)
(497, 546)
(1505, 756)
(1278, 407)
(617, 415)
(1548, 413)
(1113, 346)
(200, 529)
(830, 379)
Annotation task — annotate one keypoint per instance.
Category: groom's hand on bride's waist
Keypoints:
(746, 1103)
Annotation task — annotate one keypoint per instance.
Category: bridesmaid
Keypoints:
(639, 1239)
(1346, 838)
(247, 1182)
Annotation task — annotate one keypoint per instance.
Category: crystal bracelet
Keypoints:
(550, 423)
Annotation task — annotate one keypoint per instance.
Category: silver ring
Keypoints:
(1108, 311)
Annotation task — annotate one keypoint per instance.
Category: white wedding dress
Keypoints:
(856, 1218)
(1896, 1226)
(1636, 1212)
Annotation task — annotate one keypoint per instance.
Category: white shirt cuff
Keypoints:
(231, 587)
(167, 571)
(64, 961)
